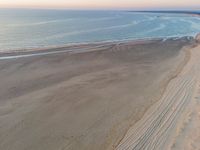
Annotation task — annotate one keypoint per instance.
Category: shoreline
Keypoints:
(80, 47)
(186, 12)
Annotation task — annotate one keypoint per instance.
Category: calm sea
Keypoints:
(23, 28)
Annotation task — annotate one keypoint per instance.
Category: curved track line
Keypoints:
(157, 125)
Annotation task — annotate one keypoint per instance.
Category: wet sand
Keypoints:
(88, 98)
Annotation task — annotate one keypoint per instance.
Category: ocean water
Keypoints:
(23, 28)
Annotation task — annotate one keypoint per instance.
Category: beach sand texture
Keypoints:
(89, 99)
(173, 122)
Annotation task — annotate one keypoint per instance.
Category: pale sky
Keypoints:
(118, 4)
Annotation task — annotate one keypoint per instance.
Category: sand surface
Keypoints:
(174, 121)
(89, 98)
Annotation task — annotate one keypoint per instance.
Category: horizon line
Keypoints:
(125, 9)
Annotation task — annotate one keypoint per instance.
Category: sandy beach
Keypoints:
(121, 95)
(174, 121)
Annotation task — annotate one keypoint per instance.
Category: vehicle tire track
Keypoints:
(155, 128)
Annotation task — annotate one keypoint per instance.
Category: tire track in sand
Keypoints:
(157, 128)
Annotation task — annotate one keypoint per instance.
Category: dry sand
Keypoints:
(174, 121)
(86, 99)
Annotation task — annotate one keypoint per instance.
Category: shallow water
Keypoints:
(22, 28)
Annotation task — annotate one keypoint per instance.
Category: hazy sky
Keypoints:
(118, 4)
